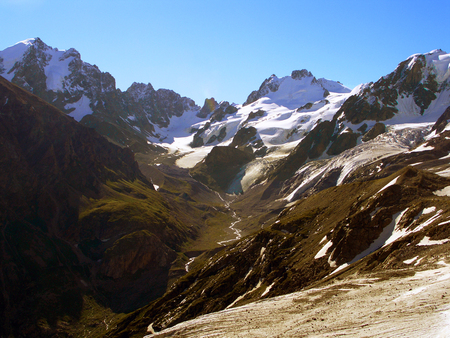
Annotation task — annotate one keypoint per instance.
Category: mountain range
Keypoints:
(150, 211)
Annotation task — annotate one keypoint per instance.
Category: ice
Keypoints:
(191, 159)
(57, 70)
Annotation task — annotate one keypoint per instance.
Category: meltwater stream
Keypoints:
(236, 231)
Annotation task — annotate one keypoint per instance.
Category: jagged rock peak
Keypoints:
(437, 61)
(209, 106)
(40, 45)
(269, 85)
(37, 42)
(300, 74)
(140, 90)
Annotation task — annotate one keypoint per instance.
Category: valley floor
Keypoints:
(412, 302)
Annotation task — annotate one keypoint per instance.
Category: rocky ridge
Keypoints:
(90, 96)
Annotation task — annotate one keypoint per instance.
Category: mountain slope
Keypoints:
(77, 217)
(376, 224)
(333, 182)
(388, 215)
(375, 205)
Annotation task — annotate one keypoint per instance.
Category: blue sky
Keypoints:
(225, 49)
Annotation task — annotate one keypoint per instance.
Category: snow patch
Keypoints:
(266, 291)
(426, 241)
(421, 148)
(444, 173)
(324, 250)
(82, 108)
(245, 294)
(443, 192)
(429, 210)
(389, 184)
(412, 260)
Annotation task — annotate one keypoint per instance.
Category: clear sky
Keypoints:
(225, 49)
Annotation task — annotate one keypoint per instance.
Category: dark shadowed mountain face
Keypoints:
(76, 217)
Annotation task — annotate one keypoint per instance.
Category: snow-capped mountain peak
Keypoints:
(296, 90)
(81, 89)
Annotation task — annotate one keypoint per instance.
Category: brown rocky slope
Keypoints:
(72, 204)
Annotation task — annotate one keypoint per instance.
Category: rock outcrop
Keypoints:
(221, 166)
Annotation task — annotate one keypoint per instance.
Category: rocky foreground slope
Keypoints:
(407, 302)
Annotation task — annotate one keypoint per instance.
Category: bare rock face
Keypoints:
(243, 136)
(312, 146)
(209, 106)
(140, 250)
(157, 106)
(378, 129)
(442, 121)
(300, 74)
(343, 142)
(269, 85)
(220, 167)
(225, 108)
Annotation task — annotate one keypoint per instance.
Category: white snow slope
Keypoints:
(297, 105)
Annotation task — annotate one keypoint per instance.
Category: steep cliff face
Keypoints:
(159, 106)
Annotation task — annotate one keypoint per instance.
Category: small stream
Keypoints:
(236, 231)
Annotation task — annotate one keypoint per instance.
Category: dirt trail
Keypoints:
(358, 306)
